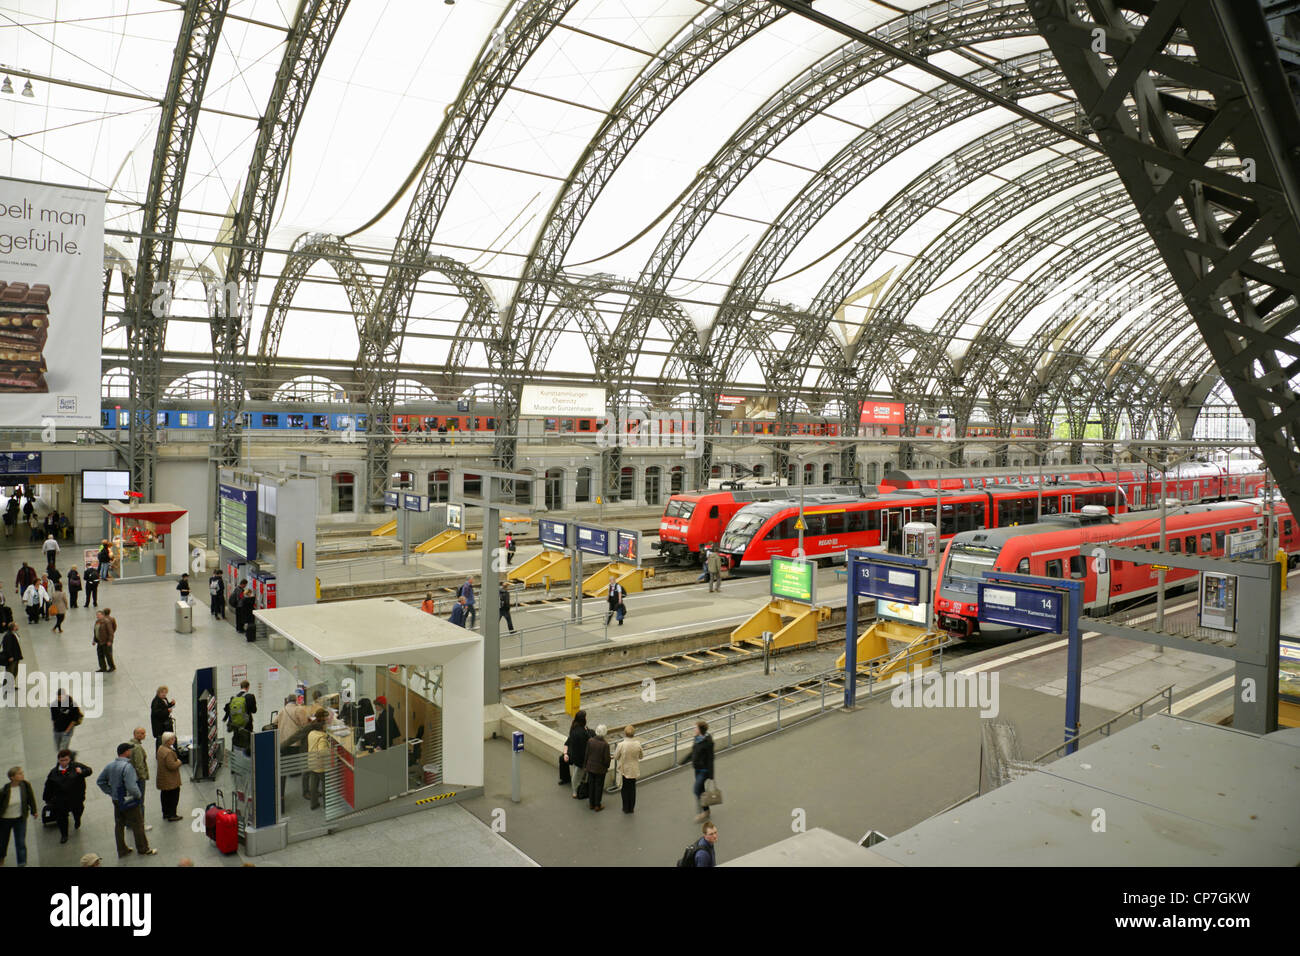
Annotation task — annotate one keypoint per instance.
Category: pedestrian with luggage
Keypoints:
(239, 713)
(59, 606)
(169, 777)
(597, 765)
(706, 853)
(65, 791)
(118, 780)
(627, 761)
(701, 759)
(503, 609)
(103, 641)
(714, 564)
(17, 803)
(217, 592)
(90, 577)
(66, 717)
(617, 597)
(160, 715)
(74, 586)
(575, 752)
(471, 611)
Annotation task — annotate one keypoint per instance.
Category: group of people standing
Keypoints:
(587, 758)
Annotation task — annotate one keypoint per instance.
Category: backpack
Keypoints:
(238, 715)
(688, 855)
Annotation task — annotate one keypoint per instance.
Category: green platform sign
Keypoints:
(792, 579)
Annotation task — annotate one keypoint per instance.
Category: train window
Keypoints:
(835, 523)
(814, 524)
(1206, 546)
(1287, 526)
(320, 421)
(584, 424)
(552, 424)
(1175, 546)
(1078, 569)
(270, 421)
(296, 421)
(713, 512)
(103, 419)
(1054, 568)
(1190, 543)
(248, 419)
(1023, 566)
(1218, 540)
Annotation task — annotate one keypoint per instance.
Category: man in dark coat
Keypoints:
(65, 791)
(596, 765)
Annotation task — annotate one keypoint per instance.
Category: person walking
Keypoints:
(503, 609)
(510, 549)
(217, 592)
(318, 757)
(90, 577)
(65, 791)
(627, 761)
(471, 611)
(6, 612)
(66, 716)
(26, 575)
(17, 803)
(118, 780)
(46, 590)
(51, 549)
(11, 652)
(160, 715)
(575, 751)
(169, 777)
(459, 610)
(238, 715)
(714, 564)
(103, 641)
(701, 759)
(59, 607)
(183, 586)
(74, 586)
(427, 605)
(596, 765)
(33, 600)
(706, 853)
(617, 596)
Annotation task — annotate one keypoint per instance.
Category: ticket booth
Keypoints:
(148, 540)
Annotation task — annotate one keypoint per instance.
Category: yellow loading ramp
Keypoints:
(629, 575)
(388, 527)
(875, 657)
(550, 566)
(449, 540)
(802, 628)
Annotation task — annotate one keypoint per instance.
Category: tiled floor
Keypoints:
(149, 653)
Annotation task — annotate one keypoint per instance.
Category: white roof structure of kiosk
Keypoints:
(405, 695)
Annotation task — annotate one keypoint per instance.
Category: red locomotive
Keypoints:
(1061, 546)
(691, 521)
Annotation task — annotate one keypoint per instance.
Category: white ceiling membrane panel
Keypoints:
(815, 143)
(571, 354)
(580, 69)
(391, 72)
(320, 324)
(644, 24)
(491, 220)
(533, 135)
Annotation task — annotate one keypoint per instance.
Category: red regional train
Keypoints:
(1060, 547)
(690, 521)
(834, 523)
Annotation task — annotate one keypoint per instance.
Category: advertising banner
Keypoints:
(629, 547)
(561, 400)
(51, 312)
(882, 413)
(793, 579)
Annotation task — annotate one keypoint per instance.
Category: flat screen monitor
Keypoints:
(105, 485)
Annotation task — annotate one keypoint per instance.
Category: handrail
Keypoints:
(1104, 728)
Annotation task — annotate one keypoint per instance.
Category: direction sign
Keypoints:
(391, 499)
(415, 502)
(593, 540)
(553, 534)
(1019, 605)
(891, 582)
(1245, 544)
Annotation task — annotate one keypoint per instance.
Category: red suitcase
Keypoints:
(227, 831)
(210, 817)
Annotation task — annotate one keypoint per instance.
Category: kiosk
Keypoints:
(148, 540)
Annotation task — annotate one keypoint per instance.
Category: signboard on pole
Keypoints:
(51, 313)
(887, 582)
(1245, 544)
(1024, 606)
(593, 540)
(415, 502)
(629, 547)
(794, 580)
(391, 499)
(553, 534)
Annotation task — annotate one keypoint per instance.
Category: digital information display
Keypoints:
(22, 463)
(456, 517)
(105, 485)
(593, 540)
(415, 502)
(629, 547)
(890, 583)
(238, 521)
(553, 534)
(793, 579)
(1016, 605)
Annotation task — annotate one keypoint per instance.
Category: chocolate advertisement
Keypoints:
(51, 314)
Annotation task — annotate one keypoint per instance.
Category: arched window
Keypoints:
(677, 480)
(116, 383)
(652, 489)
(403, 479)
(583, 490)
(310, 388)
(439, 485)
(828, 473)
(627, 484)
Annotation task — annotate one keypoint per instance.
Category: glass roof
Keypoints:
(706, 191)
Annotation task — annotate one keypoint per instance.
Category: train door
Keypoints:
(1067, 504)
(892, 531)
(1097, 561)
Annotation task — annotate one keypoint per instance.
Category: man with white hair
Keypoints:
(596, 764)
(169, 777)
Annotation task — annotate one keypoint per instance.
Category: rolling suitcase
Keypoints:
(227, 831)
(210, 817)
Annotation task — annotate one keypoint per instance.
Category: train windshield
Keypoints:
(741, 529)
(678, 508)
(966, 564)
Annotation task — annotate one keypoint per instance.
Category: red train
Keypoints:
(691, 521)
(1061, 546)
(834, 523)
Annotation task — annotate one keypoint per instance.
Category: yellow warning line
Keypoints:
(441, 796)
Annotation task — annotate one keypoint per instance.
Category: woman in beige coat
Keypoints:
(169, 777)
(627, 758)
(318, 757)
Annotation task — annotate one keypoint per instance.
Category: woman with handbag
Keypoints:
(575, 752)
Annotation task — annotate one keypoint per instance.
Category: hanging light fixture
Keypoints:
(7, 86)
(28, 91)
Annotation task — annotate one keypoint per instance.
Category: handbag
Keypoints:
(711, 796)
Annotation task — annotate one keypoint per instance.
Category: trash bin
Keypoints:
(184, 618)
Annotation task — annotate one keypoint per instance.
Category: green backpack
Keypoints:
(238, 715)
